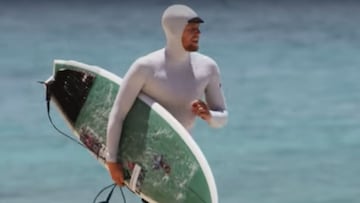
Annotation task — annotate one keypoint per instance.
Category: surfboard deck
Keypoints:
(161, 161)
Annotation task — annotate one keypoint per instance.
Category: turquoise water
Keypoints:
(290, 72)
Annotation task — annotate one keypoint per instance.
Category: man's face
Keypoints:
(190, 37)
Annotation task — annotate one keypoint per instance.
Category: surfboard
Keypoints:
(162, 163)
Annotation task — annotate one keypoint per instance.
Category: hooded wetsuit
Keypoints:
(171, 76)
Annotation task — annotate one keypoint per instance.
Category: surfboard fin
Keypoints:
(134, 177)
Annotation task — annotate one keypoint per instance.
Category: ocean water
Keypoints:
(290, 72)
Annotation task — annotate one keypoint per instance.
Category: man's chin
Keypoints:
(192, 48)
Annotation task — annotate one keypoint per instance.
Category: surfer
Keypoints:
(176, 76)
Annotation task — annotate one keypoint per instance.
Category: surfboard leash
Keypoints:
(48, 99)
(112, 186)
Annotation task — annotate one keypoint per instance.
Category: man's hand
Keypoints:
(116, 173)
(200, 109)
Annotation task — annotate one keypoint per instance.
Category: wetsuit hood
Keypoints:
(174, 20)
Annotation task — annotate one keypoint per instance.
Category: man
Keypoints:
(176, 76)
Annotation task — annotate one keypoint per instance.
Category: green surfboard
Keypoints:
(162, 163)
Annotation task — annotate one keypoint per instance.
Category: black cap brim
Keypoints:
(196, 20)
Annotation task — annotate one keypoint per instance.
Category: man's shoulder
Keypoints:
(205, 61)
(202, 58)
(151, 59)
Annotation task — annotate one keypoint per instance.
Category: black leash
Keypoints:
(48, 98)
(112, 186)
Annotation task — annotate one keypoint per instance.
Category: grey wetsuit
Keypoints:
(174, 78)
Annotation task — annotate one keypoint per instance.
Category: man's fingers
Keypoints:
(201, 109)
(116, 173)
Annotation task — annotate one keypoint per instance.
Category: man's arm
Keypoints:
(128, 92)
(215, 100)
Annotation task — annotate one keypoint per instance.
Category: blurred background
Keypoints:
(290, 74)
